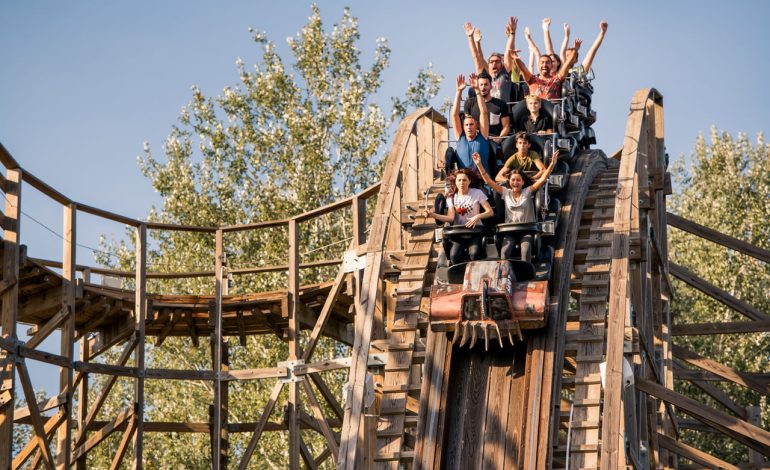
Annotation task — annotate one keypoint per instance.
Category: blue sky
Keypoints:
(85, 83)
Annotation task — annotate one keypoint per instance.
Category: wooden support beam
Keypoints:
(720, 369)
(216, 352)
(691, 453)
(125, 442)
(325, 313)
(717, 237)
(104, 393)
(9, 304)
(117, 423)
(260, 426)
(82, 412)
(67, 341)
(746, 433)
(331, 400)
(21, 458)
(140, 316)
(331, 441)
(37, 420)
(716, 393)
(717, 293)
(294, 349)
(720, 328)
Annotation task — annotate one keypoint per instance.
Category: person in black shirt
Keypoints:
(536, 122)
(497, 109)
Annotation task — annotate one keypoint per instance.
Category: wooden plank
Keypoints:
(746, 433)
(636, 134)
(10, 304)
(717, 237)
(717, 293)
(430, 399)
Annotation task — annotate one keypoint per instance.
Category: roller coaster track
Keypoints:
(558, 399)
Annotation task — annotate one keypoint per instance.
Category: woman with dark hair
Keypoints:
(519, 205)
(464, 207)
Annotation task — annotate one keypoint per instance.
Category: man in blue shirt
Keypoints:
(471, 135)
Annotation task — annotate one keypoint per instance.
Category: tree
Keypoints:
(286, 139)
(726, 188)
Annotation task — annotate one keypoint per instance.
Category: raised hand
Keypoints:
(474, 79)
(527, 33)
(476, 34)
(578, 43)
(510, 28)
(461, 83)
(546, 23)
(468, 29)
(603, 26)
(476, 158)
(566, 29)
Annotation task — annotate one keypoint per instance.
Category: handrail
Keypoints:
(10, 163)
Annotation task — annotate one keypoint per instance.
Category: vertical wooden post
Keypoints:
(67, 348)
(10, 302)
(294, 352)
(216, 345)
(140, 313)
(85, 352)
(359, 221)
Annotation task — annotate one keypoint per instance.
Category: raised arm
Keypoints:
(565, 43)
(483, 114)
(483, 172)
(457, 124)
(476, 55)
(525, 73)
(572, 55)
(510, 43)
(589, 58)
(533, 49)
(544, 176)
(547, 36)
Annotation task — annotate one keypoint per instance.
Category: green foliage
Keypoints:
(725, 188)
(286, 139)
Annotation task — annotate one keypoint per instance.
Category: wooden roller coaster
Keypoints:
(592, 389)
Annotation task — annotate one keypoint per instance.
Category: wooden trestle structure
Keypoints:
(538, 404)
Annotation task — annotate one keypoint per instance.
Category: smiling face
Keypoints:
(516, 182)
(544, 66)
